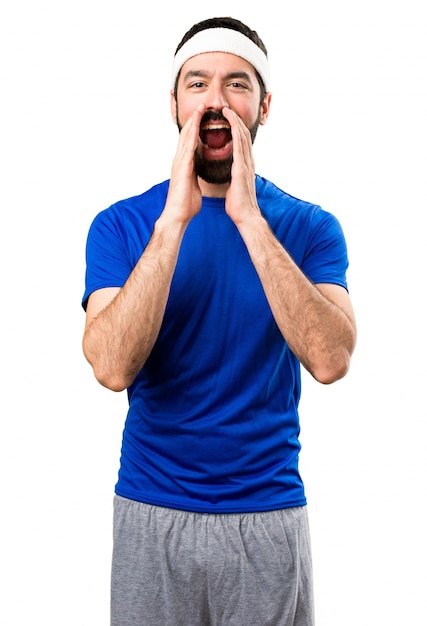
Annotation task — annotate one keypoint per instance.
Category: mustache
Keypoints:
(213, 116)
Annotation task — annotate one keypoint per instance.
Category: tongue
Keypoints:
(216, 138)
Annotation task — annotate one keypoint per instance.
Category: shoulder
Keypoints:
(126, 226)
(275, 202)
(143, 207)
(285, 211)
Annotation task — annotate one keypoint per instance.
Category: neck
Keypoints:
(212, 191)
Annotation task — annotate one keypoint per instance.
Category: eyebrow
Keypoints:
(206, 74)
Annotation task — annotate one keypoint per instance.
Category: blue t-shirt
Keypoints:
(213, 421)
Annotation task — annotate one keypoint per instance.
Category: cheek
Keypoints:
(182, 110)
(182, 116)
(248, 113)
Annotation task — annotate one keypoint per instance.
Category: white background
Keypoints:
(85, 122)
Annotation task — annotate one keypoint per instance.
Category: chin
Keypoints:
(213, 172)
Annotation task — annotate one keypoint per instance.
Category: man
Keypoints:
(203, 296)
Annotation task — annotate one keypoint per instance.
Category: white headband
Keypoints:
(222, 40)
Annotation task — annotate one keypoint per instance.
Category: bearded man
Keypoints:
(203, 297)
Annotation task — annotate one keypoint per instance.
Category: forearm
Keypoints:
(119, 339)
(317, 330)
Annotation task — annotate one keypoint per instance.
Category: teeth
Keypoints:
(215, 126)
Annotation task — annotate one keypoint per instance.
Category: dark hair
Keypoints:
(225, 22)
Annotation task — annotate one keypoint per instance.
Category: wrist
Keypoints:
(170, 227)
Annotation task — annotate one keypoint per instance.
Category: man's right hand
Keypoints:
(184, 199)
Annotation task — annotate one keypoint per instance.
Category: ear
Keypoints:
(265, 108)
(173, 107)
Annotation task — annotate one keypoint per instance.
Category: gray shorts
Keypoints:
(175, 568)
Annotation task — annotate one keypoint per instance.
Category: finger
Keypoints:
(239, 131)
(190, 132)
(242, 142)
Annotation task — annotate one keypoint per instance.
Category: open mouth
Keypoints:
(215, 135)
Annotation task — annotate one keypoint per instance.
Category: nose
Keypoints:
(216, 98)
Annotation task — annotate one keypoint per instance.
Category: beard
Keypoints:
(216, 172)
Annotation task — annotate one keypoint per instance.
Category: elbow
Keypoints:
(112, 378)
(333, 365)
(111, 381)
(330, 371)
(105, 375)
(328, 375)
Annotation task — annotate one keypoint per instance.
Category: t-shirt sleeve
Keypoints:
(107, 258)
(326, 258)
